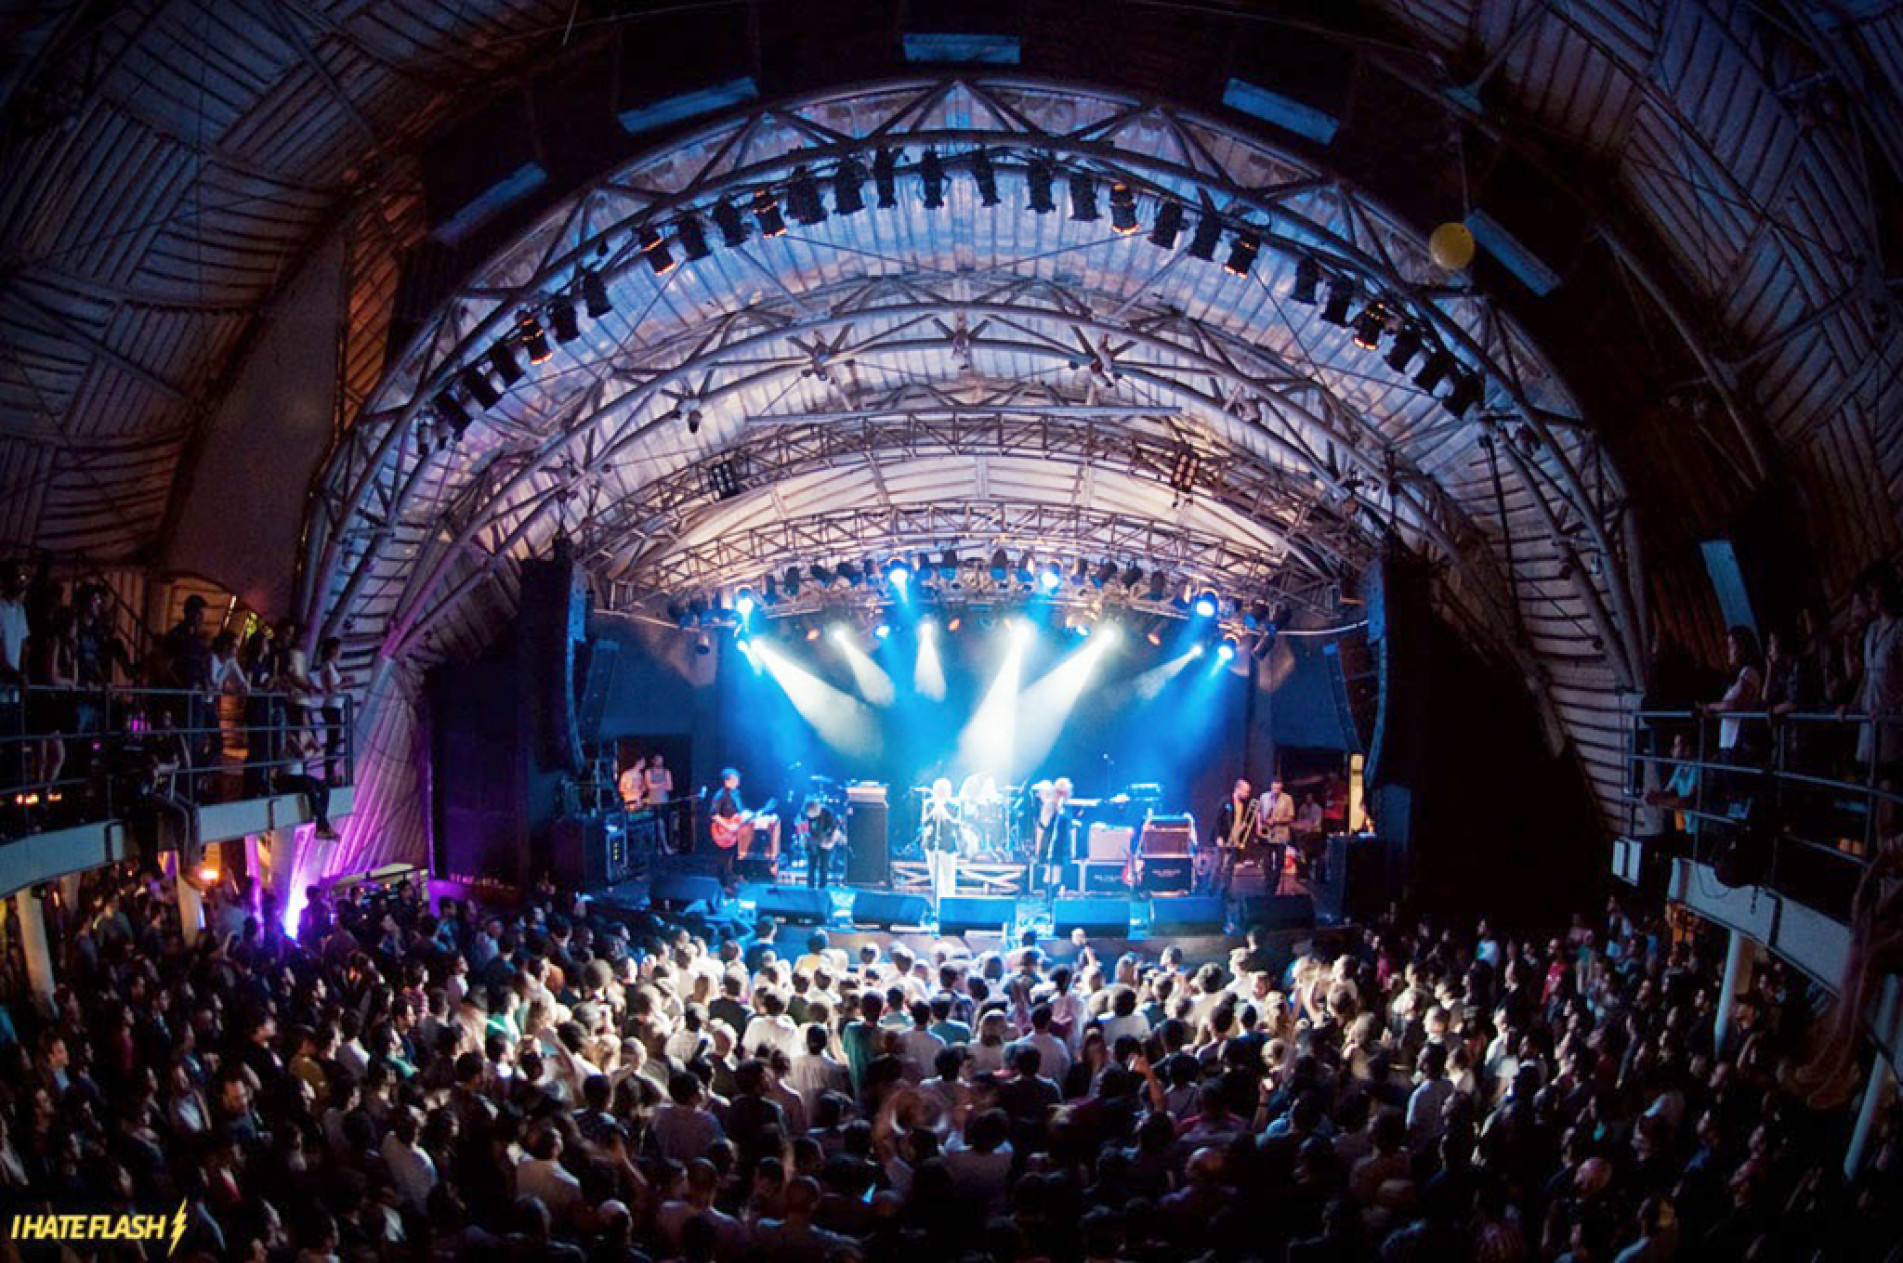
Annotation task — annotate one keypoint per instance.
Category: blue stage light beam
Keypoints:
(1044, 708)
(867, 676)
(1151, 683)
(842, 721)
(986, 743)
(928, 676)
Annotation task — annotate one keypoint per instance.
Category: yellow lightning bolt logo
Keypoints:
(178, 1229)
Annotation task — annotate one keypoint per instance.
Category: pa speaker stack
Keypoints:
(1276, 912)
(1187, 914)
(678, 890)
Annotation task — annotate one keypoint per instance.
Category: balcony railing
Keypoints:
(82, 756)
(1795, 781)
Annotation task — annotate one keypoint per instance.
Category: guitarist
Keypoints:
(822, 839)
(731, 826)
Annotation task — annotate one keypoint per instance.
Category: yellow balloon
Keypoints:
(1452, 246)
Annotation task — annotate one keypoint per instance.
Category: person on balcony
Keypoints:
(1879, 609)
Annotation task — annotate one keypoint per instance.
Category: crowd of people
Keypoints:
(197, 714)
(401, 1080)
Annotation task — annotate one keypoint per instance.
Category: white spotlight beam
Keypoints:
(928, 676)
(1045, 707)
(986, 743)
(867, 676)
(841, 720)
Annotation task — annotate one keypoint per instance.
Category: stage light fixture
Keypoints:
(1040, 176)
(882, 631)
(534, 340)
(822, 575)
(802, 198)
(1242, 254)
(1308, 275)
(1467, 391)
(1027, 570)
(1227, 650)
(1206, 605)
(1158, 583)
(561, 319)
(654, 250)
(692, 237)
(1370, 325)
(744, 603)
(948, 564)
(766, 213)
(1123, 208)
(450, 411)
(1169, 223)
(1105, 573)
(1407, 344)
(849, 179)
(1341, 294)
(931, 174)
(1208, 235)
(770, 591)
(1080, 573)
(812, 633)
(850, 572)
(899, 575)
(1050, 577)
(1000, 565)
(1132, 575)
(790, 581)
(985, 176)
(885, 177)
(594, 294)
(1155, 637)
(1439, 364)
(480, 388)
(733, 228)
(1083, 197)
(954, 623)
(502, 360)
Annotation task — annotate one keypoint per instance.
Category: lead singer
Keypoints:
(939, 833)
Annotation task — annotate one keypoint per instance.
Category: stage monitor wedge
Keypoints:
(887, 909)
(680, 890)
(1276, 912)
(1099, 918)
(964, 914)
(1187, 914)
(795, 905)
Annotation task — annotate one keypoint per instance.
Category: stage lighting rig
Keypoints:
(885, 177)
(1207, 237)
(1132, 575)
(802, 199)
(1341, 295)
(1370, 325)
(450, 411)
(534, 340)
(1407, 344)
(692, 238)
(931, 174)
(766, 213)
(502, 360)
(1123, 209)
(984, 176)
(848, 187)
(733, 228)
(1226, 651)
(1308, 275)
(1083, 197)
(1242, 253)
(1439, 364)
(1159, 583)
(1039, 176)
(1206, 604)
(1168, 225)
(654, 250)
(480, 388)
(790, 581)
(561, 319)
(594, 294)
(1468, 389)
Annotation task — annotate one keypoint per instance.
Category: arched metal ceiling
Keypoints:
(977, 375)
(169, 162)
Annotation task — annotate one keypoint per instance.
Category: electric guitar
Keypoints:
(727, 830)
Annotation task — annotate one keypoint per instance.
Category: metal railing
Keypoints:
(72, 756)
(1797, 778)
